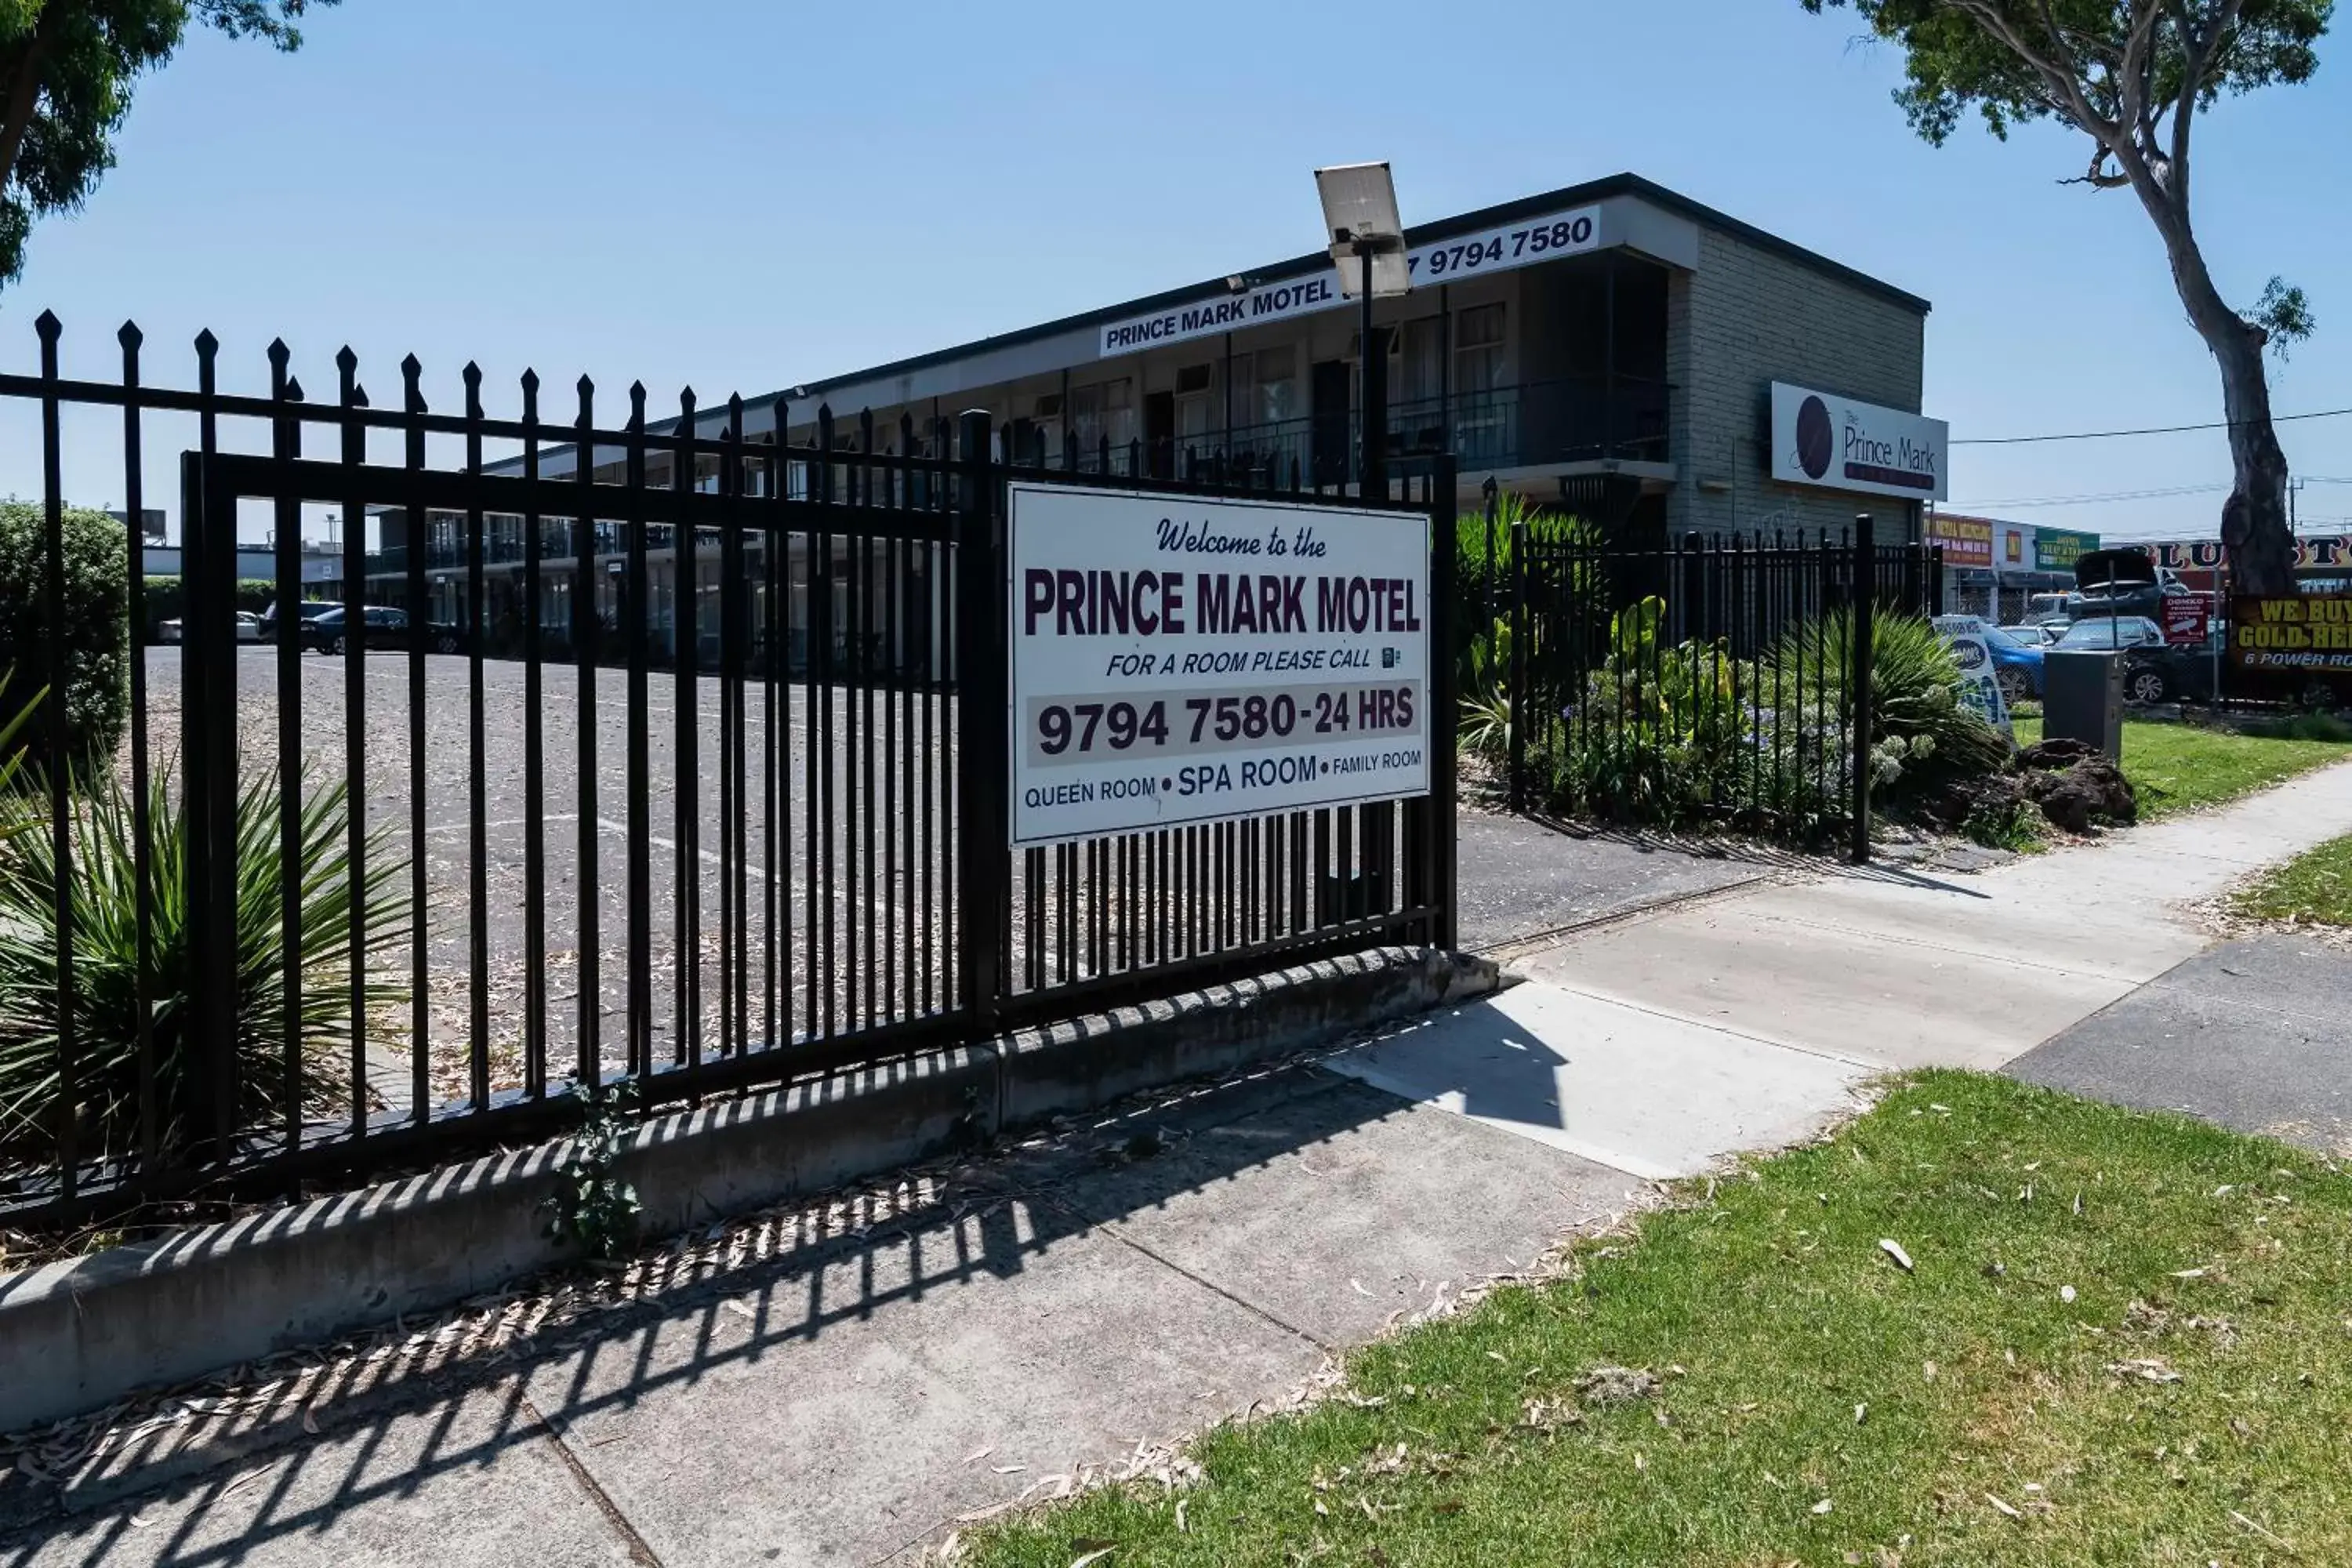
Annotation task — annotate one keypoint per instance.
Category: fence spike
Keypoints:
(207, 345)
(48, 326)
(279, 354)
(130, 336)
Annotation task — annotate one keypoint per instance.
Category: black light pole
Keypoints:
(1359, 213)
(1372, 474)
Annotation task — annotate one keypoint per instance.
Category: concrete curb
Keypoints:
(76, 1336)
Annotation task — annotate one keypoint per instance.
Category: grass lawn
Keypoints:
(2127, 1339)
(2174, 767)
(2315, 887)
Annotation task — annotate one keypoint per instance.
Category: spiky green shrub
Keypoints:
(1921, 732)
(1484, 558)
(1485, 719)
(16, 812)
(106, 897)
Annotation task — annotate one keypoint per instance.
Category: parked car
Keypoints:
(388, 626)
(2040, 634)
(2178, 671)
(2121, 581)
(2017, 661)
(249, 628)
(308, 609)
(2042, 609)
(2125, 632)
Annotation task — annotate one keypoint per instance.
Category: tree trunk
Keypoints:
(2254, 530)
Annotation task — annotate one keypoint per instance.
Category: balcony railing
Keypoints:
(1527, 424)
(1575, 420)
(503, 543)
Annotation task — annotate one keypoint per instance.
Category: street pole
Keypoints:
(1371, 473)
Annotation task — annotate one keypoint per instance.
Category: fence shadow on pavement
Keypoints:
(378, 1436)
(1765, 855)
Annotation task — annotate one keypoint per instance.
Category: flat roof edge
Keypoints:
(1618, 185)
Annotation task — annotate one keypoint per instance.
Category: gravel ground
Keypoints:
(878, 951)
(894, 908)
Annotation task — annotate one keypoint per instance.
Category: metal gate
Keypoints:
(676, 753)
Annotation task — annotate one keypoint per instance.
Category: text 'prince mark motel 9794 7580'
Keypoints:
(1177, 660)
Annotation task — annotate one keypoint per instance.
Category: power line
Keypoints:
(2151, 430)
(2097, 498)
(2028, 502)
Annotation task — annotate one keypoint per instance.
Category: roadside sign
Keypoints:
(2186, 619)
(1177, 659)
(1979, 677)
(2310, 633)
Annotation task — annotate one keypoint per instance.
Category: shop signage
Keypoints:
(1835, 442)
(2313, 552)
(2309, 633)
(1498, 249)
(1181, 660)
(1966, 540)
(2057, 548)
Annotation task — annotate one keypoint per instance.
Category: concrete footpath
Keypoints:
(1743, 1022)
(1075, 1301)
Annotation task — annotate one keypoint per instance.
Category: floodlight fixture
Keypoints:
(1362, 226)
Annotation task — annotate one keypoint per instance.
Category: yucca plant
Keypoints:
(1914, 693)
(15, 815)
(1485, 719)
(105, 998)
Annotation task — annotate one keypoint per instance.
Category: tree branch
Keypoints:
(2198, 56)
(2062, 87)
(2096, 176)
(23, 96)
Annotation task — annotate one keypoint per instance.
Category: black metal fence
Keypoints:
(327, 914)
(1720, 679)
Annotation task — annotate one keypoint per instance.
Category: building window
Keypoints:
(1046, 425)
(1478, 349)
(1265, 386)
(1200, 405)
(1417, 378)
(1103, 412)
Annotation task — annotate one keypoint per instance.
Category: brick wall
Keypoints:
(1744, 319)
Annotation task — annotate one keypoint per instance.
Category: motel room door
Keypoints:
(1159, 433)
(1333, 387)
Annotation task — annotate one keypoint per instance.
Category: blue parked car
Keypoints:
(2017, 664)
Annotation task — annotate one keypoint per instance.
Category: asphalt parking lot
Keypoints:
(862, 928)
(889, 904)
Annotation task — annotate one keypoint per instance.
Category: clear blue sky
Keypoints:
(741, 196)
